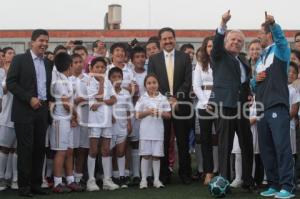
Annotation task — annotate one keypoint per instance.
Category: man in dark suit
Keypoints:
(174, 71)
(29, 79)
(231, 90)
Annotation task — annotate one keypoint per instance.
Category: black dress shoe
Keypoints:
(165, 180)
(25, 192)
(39, 191)
(250, 188)
(186, 180)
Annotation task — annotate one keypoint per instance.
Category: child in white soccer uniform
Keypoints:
(118, 54)
(80, 132)
(61, 137)
(138, 58)
(119, 57)
(101, 98)
(121, 122)
(8, 142)
(152, 108)
(294, 104)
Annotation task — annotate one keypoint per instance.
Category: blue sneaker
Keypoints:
(284, 194)
(270, 192)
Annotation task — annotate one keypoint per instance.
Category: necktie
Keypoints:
(170, 72)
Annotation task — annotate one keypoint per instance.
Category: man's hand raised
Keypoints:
(225, 18)
(269, 18)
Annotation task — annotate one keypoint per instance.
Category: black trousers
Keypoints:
(181, 128)
(259, 170)
(31, 148)
(206, 121)
(232, 121)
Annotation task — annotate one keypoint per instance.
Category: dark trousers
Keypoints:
(259, 170)
(181, 128)
(229, 123)
(275, 147)
(206, 122)
(31, 148)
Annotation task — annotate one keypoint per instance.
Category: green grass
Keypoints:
(174, 191)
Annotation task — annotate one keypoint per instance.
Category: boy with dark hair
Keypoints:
(61, 136)
(188, 49)
(83, 52)
(121, 123)
(101, 98)
(138, 59)
(80, 132)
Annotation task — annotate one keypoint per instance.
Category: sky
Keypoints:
(146, 14)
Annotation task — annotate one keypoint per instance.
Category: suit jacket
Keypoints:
(182, 75)
(227, 87)
(21, 81)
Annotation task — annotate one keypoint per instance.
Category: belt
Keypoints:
(44, 102)
(207, 87)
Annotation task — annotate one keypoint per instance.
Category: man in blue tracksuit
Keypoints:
(271, 88)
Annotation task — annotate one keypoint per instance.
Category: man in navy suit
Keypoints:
(231, 91)
(29, 79)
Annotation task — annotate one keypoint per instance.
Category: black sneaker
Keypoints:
(123, 182)
(135, 181)
(150, 181)
(127, 178)
(116, 180)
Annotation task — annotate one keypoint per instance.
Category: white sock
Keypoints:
(116, 174)
(8, 171)
(70, 179)
(49, 167)
(44, 168)
(150, 173)
(127, 173)
(78, 177)
(15, 168)
(199, 158)
(238, 166)
(135, 159)
(3, 162)
(144, 169)
(216, 159)
(91, 167)
(156, 169)
(121, 166)
(107, 165)
(57, 181)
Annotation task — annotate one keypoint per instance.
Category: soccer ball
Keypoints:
(218, 187)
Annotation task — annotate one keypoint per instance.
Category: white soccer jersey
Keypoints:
(80, 90)
(5, 115)
(152, 128)
(61, 86)
(128, 76)
(102, 117)
(139, 78)
(124, 104)
(294, 98)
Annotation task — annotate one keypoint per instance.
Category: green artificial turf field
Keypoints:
(174, 191)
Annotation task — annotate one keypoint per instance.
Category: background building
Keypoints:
(20, 39)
